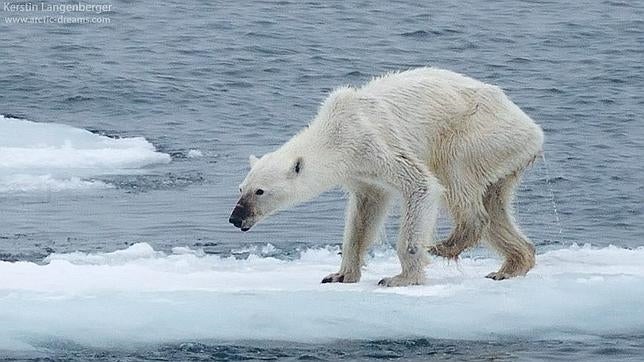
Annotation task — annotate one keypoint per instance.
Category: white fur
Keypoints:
(428, 135)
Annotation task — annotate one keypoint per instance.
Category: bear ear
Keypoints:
(253, 160)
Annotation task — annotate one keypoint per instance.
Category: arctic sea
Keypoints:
(122, 145)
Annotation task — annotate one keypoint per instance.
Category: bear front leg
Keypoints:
(365, 214)
(420, 211)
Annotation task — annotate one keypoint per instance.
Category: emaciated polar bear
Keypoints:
(429, 135)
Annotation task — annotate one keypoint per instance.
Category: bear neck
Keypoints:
(319, 158)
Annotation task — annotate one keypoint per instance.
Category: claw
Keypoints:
(333, 278)
(498, 276)
(341, 278)
(401, 281)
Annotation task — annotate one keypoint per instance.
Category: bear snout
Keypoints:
(235, 221)
(240, 213)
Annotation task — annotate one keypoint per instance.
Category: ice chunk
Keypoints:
(54, 157)
(195, 154)
(139, 295)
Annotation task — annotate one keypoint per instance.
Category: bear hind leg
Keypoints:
(470, 218)
(503, 234)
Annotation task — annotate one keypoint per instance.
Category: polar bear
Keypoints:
(431, 136)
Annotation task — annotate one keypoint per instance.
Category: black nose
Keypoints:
(235, 220)
(240, 213)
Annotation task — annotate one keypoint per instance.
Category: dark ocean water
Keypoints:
(230, 80)
(613, 349)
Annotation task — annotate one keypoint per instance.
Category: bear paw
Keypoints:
(505, 274)
(341, 278)
(499, 276)
(401, 281)
(445, 250)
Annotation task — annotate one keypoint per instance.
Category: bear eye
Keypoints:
(259, 192)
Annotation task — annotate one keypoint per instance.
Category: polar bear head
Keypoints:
(275, 181)
(310, 163)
